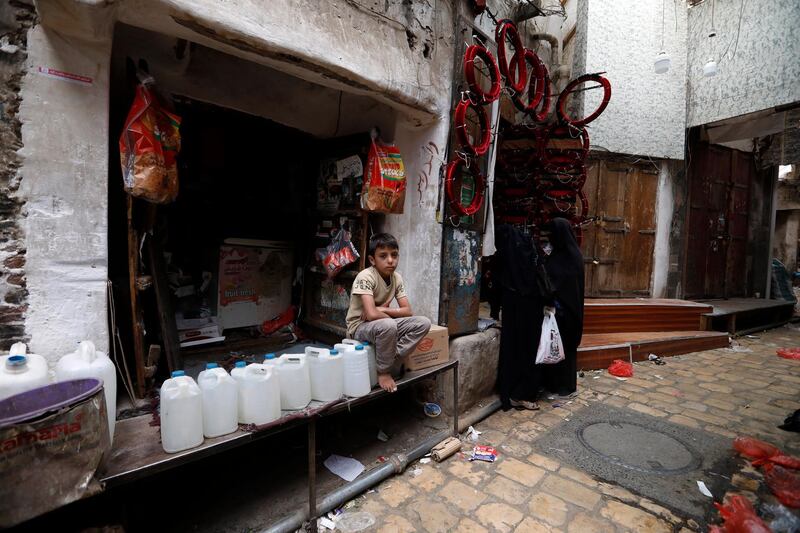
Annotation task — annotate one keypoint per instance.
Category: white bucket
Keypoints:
(87, 362)
(220, 401)
(295, 381)
(21, 371)
(326, 368)
(181, 413)
(373, 363)
(356, 372)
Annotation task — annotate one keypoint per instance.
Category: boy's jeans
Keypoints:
(393, 337)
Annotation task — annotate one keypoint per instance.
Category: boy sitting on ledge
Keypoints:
(394, 331)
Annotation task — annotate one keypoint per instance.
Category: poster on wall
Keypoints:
(255, 281)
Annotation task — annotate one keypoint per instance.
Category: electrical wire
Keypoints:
(738, 30)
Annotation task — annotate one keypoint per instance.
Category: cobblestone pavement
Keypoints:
(725, 392)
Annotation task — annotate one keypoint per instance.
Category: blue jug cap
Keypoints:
(16, 361)
(269, 356)
(365, 343)
(240, 364)
(360, 347)
(211, 365)
(334, 352)
(178, 373)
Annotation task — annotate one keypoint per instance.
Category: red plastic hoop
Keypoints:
(472, 52)
(541, 115)
(453, 171)
(515, 80)
(562, 99)
(536, 83)
(461, 128)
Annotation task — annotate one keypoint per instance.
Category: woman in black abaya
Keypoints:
(565, 268)
(518, 378)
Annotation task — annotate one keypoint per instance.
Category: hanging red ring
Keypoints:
(453, 170)
(544, 111)
(461, 128)
(562, 99)
(503, 28)
(472, 52)
(536, 83)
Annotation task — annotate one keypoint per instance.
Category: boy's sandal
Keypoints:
(524, 404)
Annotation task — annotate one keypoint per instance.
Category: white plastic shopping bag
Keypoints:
(551, 349)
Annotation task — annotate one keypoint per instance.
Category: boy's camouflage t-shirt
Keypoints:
(369, 281)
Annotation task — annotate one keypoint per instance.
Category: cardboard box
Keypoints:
(433, 350)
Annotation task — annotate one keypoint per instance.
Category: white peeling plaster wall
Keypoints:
(204, 74)
(760, 71)
(375, 48)
(665, 206)
(646, 114)
(419, 235)
(65, 163)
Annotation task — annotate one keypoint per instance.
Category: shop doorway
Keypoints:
(269, 170)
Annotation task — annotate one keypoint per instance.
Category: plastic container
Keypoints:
(21, 371)
(373, 363)
(259, 393)
(220, 401)
(356, 372)
(295, 381)
(181, 413)
(326, 368)
(87, 362)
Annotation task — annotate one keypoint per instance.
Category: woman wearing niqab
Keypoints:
(565, 269)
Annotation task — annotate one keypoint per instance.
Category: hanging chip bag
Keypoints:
(148, 146)
(385, 180)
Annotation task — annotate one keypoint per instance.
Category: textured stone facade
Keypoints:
(16, 17)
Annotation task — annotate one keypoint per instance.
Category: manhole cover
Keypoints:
(638, 448)
(647, 455)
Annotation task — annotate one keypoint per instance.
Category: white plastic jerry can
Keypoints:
(259, 393)
(373, 363)
(273, 362)
(356, 372)
(295, 381)
(21, 371)
(326, 368)
(88, 362)
(220, 401)
(181, 413)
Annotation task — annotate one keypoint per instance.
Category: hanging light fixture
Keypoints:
(710, 68)
(662, 62)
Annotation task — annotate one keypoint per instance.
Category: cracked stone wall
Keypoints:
(16, 18)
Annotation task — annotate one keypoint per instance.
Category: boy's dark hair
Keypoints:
(382, 240)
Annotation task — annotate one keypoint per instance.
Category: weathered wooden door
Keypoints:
(716, 250)
(618, 248)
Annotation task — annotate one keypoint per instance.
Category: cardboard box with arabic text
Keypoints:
(433, 350)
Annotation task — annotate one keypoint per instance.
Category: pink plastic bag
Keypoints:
(621, 369)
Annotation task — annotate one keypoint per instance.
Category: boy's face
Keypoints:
(385, 260)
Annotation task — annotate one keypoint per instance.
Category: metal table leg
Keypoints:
(312, 475)
(455, 400)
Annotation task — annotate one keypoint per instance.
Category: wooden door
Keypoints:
(716, 250)
(618, 249)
